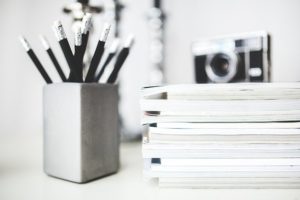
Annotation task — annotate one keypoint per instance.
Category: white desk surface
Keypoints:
(22, 177)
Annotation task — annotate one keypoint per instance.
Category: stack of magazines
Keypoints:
(239, 135)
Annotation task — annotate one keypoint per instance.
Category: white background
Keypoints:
(21, 85)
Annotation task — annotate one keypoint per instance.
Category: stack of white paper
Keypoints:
(242, 135)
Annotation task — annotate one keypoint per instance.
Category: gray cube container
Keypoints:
(81, 132)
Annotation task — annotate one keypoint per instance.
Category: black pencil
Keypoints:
(65, 46)
(78, 51)
(85, 30)
(35, 60)
(120, 60)
(53, 58)
(97, 54)
(112, 52)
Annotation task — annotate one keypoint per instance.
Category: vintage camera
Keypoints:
(239, 58)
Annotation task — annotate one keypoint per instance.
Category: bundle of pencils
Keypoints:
(75, 59)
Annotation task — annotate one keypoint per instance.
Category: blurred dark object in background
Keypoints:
(156, 22)
(79, 8)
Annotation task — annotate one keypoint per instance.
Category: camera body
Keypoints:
(237, 58)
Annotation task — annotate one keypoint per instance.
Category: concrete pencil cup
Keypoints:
(81, 131)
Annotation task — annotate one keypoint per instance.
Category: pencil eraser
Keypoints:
(105, 32)
(114, 45)
(59, 30)
(44, 41)
(24, 43)
(129, 41)
(86, 23)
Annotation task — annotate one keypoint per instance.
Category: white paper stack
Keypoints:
(242, 135)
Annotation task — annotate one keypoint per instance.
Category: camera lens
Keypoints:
(221, 67)
(220, 64)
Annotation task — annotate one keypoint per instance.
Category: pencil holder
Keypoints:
(81, 132)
